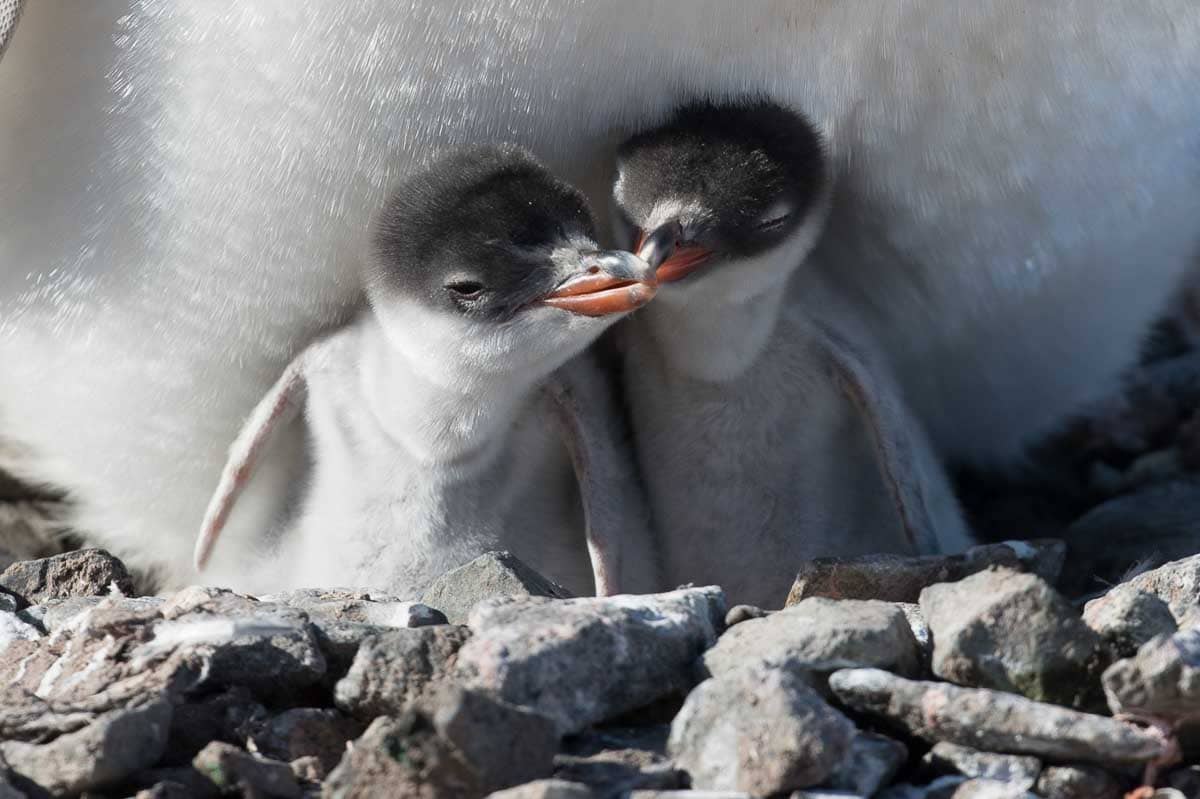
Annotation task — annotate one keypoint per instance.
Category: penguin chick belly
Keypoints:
(749, 477)
(376, 516)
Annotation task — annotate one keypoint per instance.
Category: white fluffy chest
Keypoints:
(375, 515)
(750, 476)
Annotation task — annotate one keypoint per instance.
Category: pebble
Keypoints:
(492, 575)
(1077, 782)
(871, 762)
(232, 769)
(1010, 631)
(1161, 681)
(545, 789)
(84, 572)
(363, 607)
(395, 669)
(760, 729)
(945, 758)
(898, 578)
(1127, 619)
(582, 661)
(1177, 583)
(994, 721)
(821, 635)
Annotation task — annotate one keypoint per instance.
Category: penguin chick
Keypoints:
(438, 426)
(767, 433)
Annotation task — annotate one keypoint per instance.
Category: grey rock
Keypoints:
(1077, 782)
(897, 578)
(740, 613)
(760, 729)
(613, 761)
(871, 762)
(233, 769)
(1160, 519)
(1189, 618)
(10, 603)
(84, 572)
(945, 759)
(492, 575)
(1127, 619)
(417, 754)
(110, 748)
(1176, 583)
(395, 669)
(1162, 680)
(321, 733)
(363, 607)
(505, 744)
(582, 661)
(821, 635)
(218, 717)
(339, 642)
(308, 769)
(53, 614)
(270, 649)
(992, 720)
(1012, 632)
(545, 789)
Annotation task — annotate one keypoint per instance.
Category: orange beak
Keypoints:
(613, 282)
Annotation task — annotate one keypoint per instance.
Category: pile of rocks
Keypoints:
(906, 678)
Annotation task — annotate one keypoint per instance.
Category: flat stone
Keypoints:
(321, 733)
(110, 748)
(1012, 632)
(897, 578)
(363, 607)
(492, 575)
(871, 762)
(1176, 583)
(270, 649)
(1125, 620)
(582, 661)
(945, 759)
(84, 572)
(545, 789)
(1162, 680)
(760, 729)
(393, 670)
(821, 635)
(233, 769)
(993, 721)
(418, 753)
(1077, 782)
(339, 642)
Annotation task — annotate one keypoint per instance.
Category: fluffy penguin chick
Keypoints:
(437, 426)
(767, 434)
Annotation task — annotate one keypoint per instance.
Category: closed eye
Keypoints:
(465, 289)
(773, 223)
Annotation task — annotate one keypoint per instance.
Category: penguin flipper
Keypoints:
(616, 511)
(279, 406)
(929, 513)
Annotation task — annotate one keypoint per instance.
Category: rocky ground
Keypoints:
(904, 678)
(1064, 665)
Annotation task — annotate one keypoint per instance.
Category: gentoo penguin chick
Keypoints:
(766, 433)
(437, 427)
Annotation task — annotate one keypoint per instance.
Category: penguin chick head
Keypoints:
(486, 258)
(724, 198)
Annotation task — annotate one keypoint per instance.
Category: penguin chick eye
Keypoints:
(465, 289)
(775, 222)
